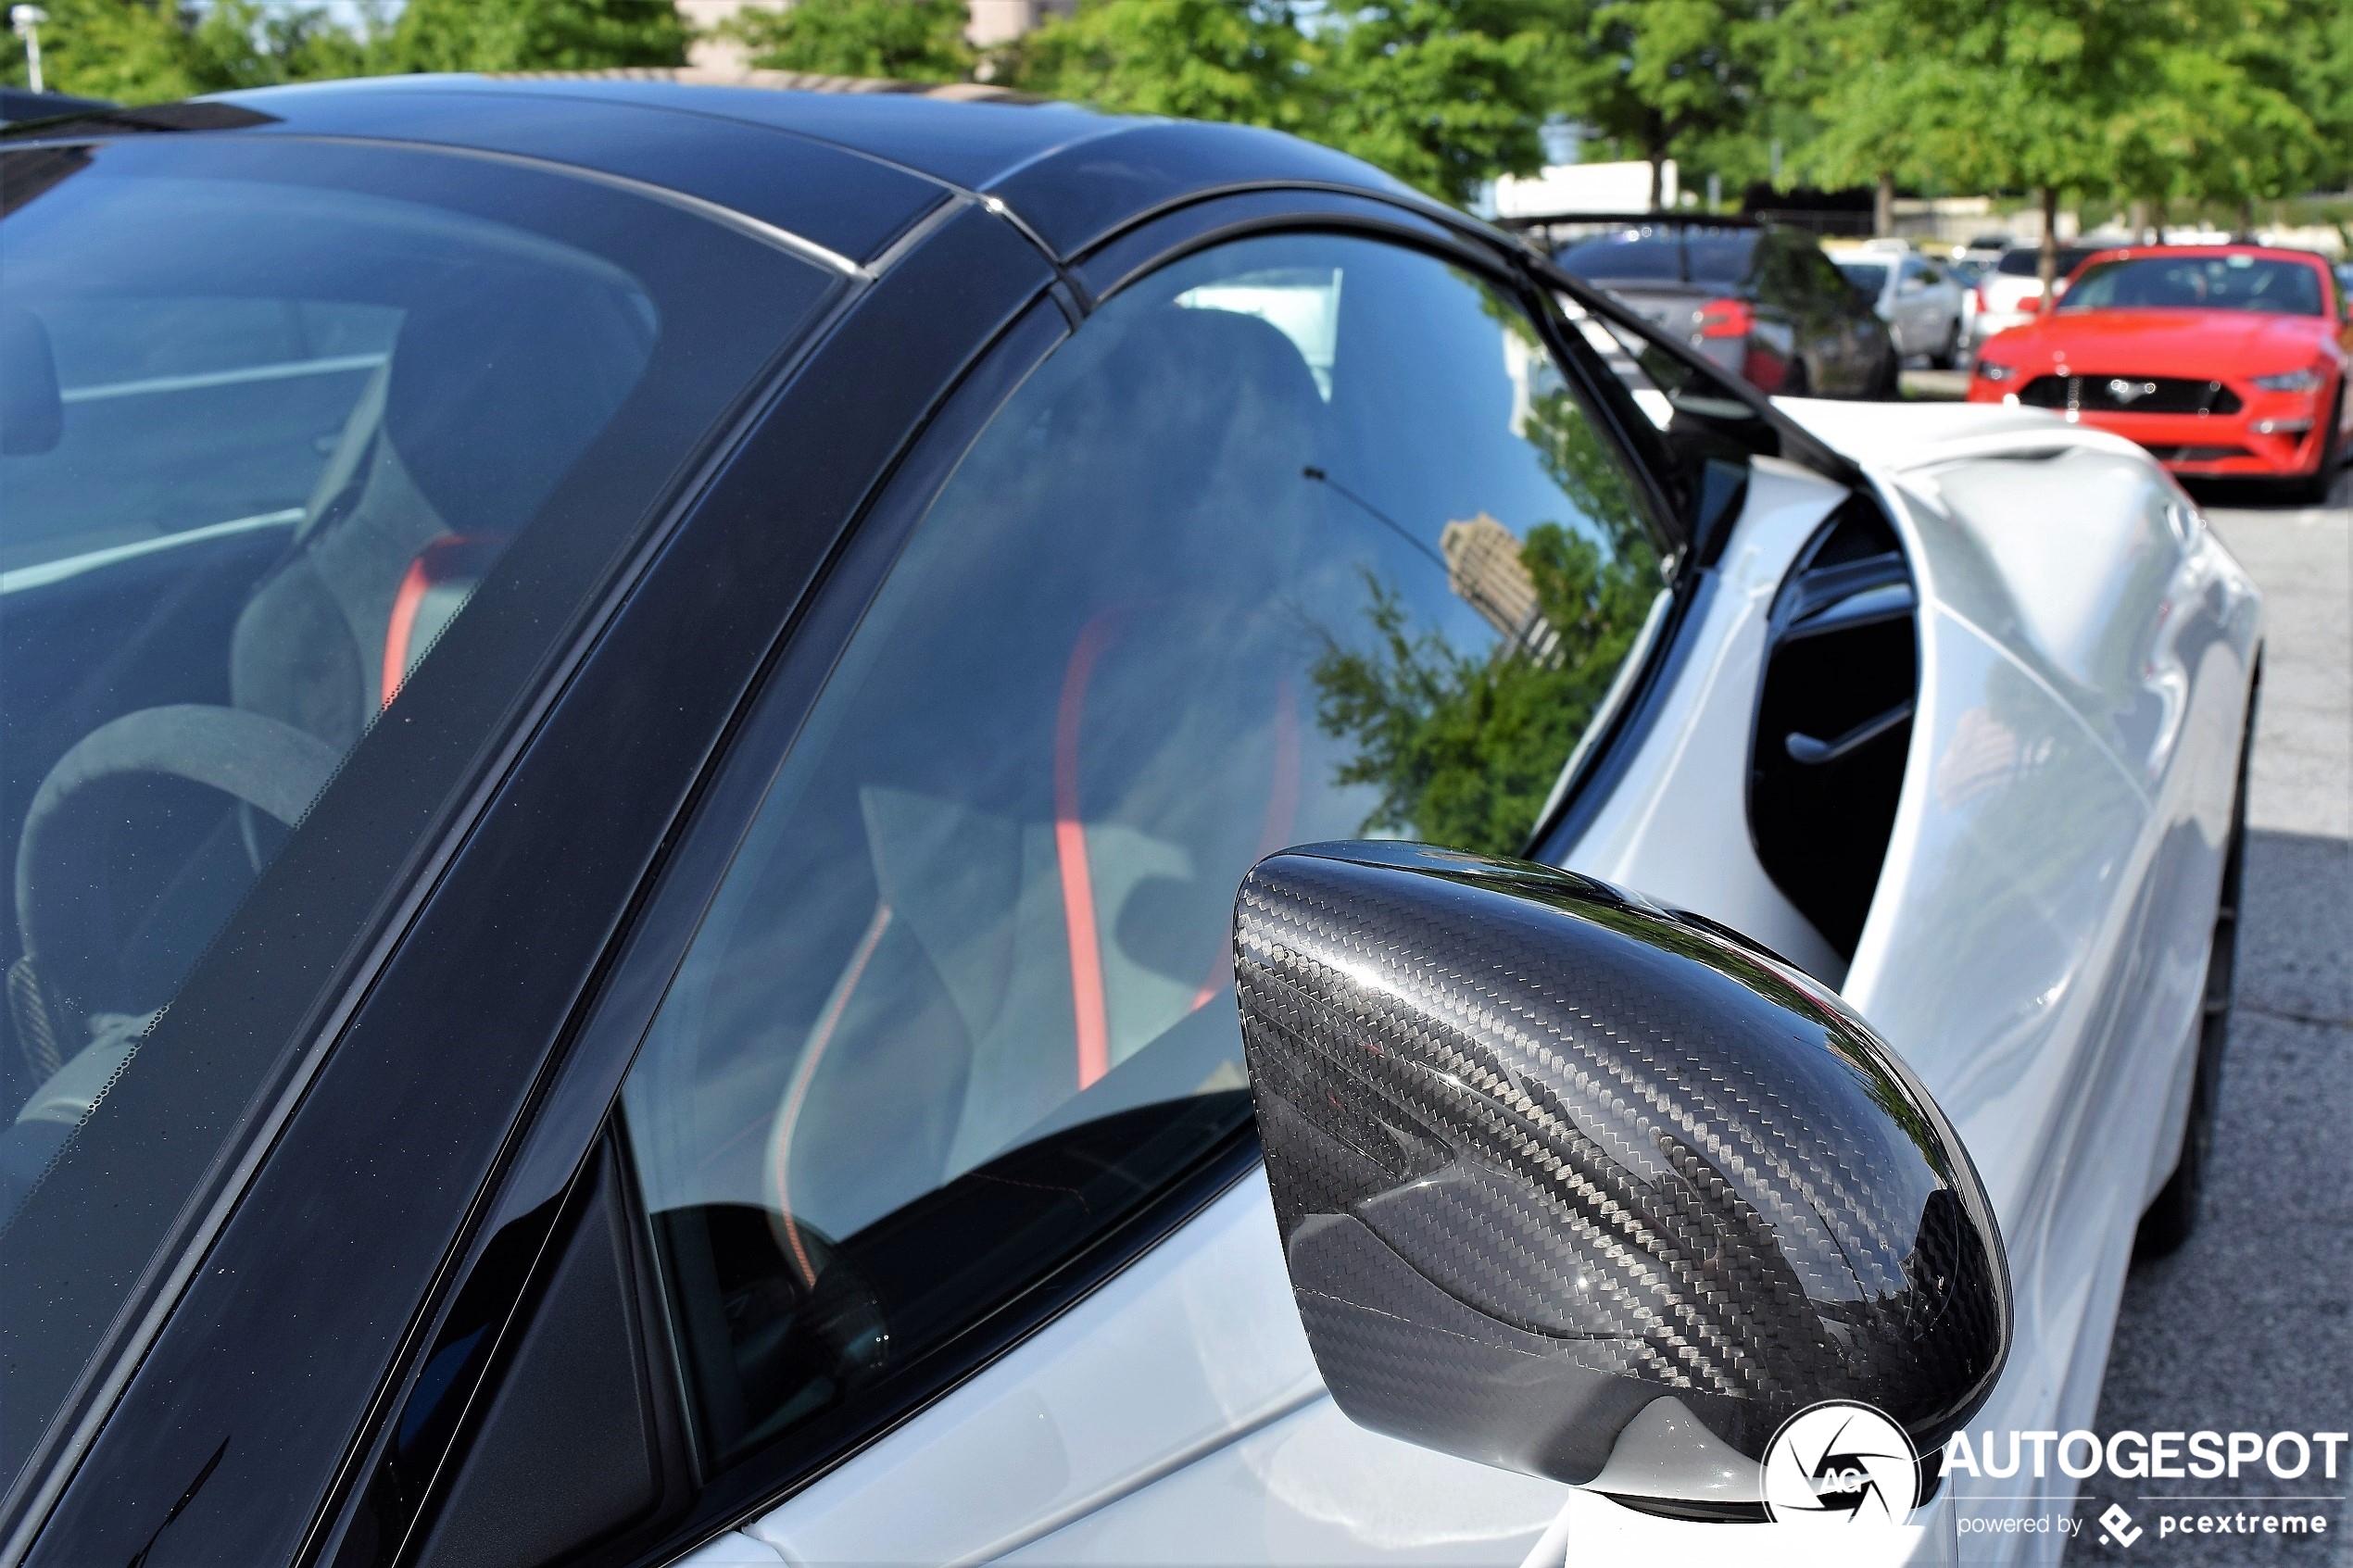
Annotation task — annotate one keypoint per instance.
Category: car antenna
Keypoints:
(1320, 477)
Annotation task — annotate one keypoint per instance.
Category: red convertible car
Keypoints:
(2222, 360)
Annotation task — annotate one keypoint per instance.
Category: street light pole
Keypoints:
(25, 22)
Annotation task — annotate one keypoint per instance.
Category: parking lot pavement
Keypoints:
(2250, 1326)
(1934, 386)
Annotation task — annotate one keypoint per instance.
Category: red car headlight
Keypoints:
(2305, 380)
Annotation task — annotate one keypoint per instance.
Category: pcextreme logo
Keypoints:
(1840, 1463)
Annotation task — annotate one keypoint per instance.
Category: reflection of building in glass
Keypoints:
(1484, 569)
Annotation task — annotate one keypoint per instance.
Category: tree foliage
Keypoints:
(536, 35)
(151, 51)
(1236, 61)
(905, 40)
(2124, 99)
(1661, 77)
(1442, 94)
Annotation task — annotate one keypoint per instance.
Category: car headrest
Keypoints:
(494, 395)
(1208, 389)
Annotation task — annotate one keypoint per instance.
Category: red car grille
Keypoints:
(2197, 454)
(2130, 394)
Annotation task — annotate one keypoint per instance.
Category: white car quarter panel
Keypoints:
(1676, 827)
(2037, 946)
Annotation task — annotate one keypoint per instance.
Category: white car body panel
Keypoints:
(2035, 951)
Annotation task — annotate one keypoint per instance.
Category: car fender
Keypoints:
(2036, 948)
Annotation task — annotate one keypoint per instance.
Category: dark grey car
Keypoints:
(1761, 301)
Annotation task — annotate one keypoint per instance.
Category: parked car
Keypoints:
(2222, 360)
(17, 104)
(1761, 301)
(1919, 302)
(634, 712)
(1968, 271)
(1984, 250)
(2012, 293)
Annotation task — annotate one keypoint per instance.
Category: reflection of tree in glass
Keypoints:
(1464, 749)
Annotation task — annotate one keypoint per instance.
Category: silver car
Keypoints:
(1918, 300)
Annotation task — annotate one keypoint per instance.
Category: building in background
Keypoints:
(993, 21)
(1585, 188)
(1483, 566)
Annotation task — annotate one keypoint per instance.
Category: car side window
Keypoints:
(1780, 277)
(1302, 537)
(1823, 278)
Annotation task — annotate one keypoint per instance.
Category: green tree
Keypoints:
(905, 40)
(536, 35)
(1664, 78)
(2247, 113)
(245, 43)
(1443, 94)
(126, 50)
(1242, 61)
(152, 51)
(1846, 63)
(2041, 95)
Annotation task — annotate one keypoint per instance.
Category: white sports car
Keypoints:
(633, 715)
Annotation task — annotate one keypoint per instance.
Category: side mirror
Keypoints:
(1580, 1187)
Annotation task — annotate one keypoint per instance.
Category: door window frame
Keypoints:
(581, 1105)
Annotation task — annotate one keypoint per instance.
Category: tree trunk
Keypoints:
(2136, 217)
(2048, 269)
(1658, 179)
(1883, 205)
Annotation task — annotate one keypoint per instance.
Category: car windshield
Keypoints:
(1638, 255)
(1869, 276)
(2199, 282)
(271, 417)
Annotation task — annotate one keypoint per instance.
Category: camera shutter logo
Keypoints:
(1840, 1463)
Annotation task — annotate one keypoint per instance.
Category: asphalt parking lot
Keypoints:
(2250, 1326)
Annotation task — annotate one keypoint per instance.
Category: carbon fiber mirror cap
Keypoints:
(1544, 1154)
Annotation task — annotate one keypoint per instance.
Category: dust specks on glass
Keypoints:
(1304, 537)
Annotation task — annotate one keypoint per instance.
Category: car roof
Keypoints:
(849, 169)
